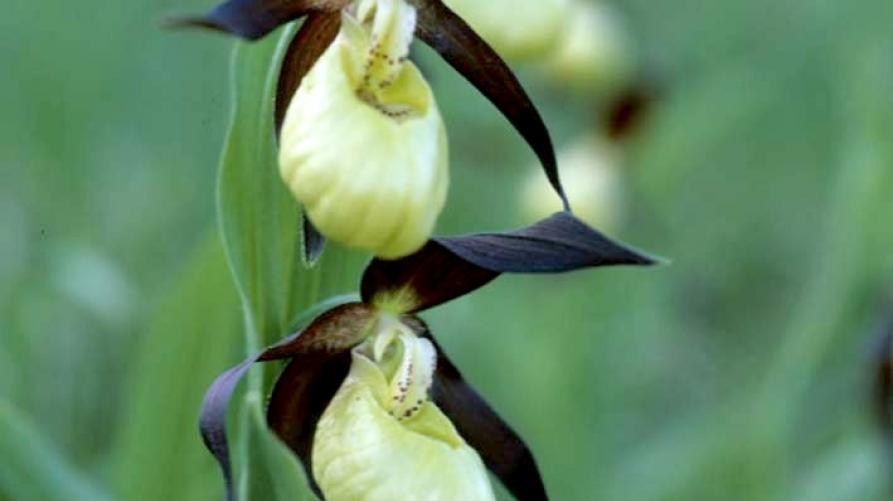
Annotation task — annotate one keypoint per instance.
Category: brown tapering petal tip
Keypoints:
(447, 268)
(430, 277)
(449, 35)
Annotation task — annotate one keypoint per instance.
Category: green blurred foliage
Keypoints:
(737, 372)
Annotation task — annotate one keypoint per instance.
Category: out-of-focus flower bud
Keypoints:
(381, 438)
(593, 55)
(518, 30)
(363, 145)
(593, 183)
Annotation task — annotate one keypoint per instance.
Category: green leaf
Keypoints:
(31, 468)
(259, 219)
(260, 223)
(197, 330)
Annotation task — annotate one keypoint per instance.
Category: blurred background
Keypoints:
(762, 169)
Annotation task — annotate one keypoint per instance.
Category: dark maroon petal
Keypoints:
(471, 56)
(253, 19)
(502, 450)
(316, 34)
(558, 244)
(300, 397)
(447, 268)
(430, 277)
(212, 421)
(332, 333)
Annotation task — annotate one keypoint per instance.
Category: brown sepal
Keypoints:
(300, 396)
(319, 348)
(449, 267)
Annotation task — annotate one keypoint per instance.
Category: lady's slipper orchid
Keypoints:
(362, 144)
(371, 404)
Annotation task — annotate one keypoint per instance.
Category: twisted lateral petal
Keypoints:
(317, 33)
(447, 268)
(321, 345)
(382, 439)
(366, 155)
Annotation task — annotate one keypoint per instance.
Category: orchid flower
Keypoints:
(369, 401)
(362, 143)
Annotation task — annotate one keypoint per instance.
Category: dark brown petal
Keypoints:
(332, 333)
(316, 34)
(300, 397)
(253, 19)
(502, 450)
(447, 268)
(471, 56)
(430, 277)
